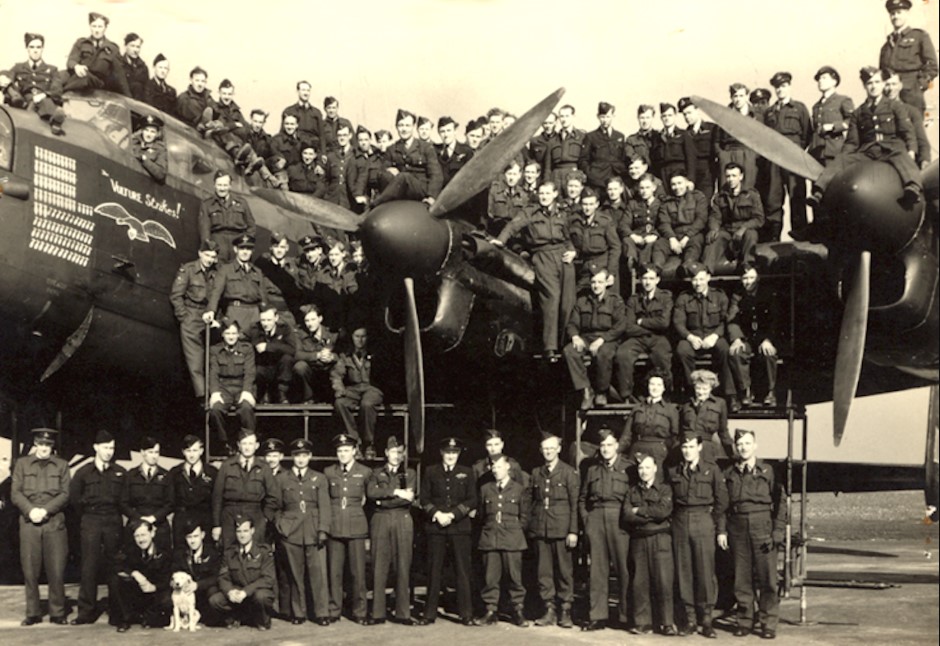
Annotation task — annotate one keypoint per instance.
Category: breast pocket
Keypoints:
(621, 484)
(712, 315)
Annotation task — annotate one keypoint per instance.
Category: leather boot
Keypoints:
(564, 617)
(549, 618)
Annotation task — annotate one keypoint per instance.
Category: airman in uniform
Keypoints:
(757, 518)
(727, 149)
(189, 296)
(306, 174)
(538, 145)
(191, 484)
(244, 488)
(682, 221)
(201, 560)
(448, 495)
(37, 85)
(564, 148)
(831, 115)
(413, 170)
(224, 218)
(506, 199)
(736, 216)
(893, 91)
(596, 327)
(337, 166)
(280, 270)
(231, 381)
(147, 496)
(603, 491)
(193, 104)
(148, 148)
(753, 330)
(648, 316)
(366, 167)
(452, 154)
(791, 119)
(702, 132)
(707, 416)
(229, 129)
(158, 92)
(303, 522)
(240, 285)
(602, 154)
(272, 452)
(554, 526)
(40, 491)
(653, 426)
(310, 264)
(594, 235)
(274, 345)
(315, 356)
(246, 578)
(673, 148)
(494, 445)
(349, 529)
(700, 318)
(646, 513)
(638, 228)
(95, 493)
(308, 118)
(141, 581)
(392, 490)
(910, 52)
(351, 378)
(331, 125)
(288, 145)
(504, 511)
(700, 505)
(95, 62)
(135, 69)
(640, 143)
(638, 168)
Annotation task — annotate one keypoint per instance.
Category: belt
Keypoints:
(651, 438)
(743, 509)
(693, 509)
(241, 504)
(242, 304)
(551, 246)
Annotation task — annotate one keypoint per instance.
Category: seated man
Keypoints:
(506, 199)
(274, 345)
(754, 331)
(305, 176)
(736, 216)
(315, 356)
(231, 380)
(201, 560)
(280, 270)
(352, 384)
(95, 62)
(412, 165)
(158, 92)
(35, 85)
(596, 325)
(637, 227)
(246, 579)
(141, 581)
(193, 104)
(637, 168)
(648, 315)
(699, 318)
(594, 235)
(229, 129)
(148, 148)
(682, 222)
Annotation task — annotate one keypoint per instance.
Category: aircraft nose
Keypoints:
(403, 239)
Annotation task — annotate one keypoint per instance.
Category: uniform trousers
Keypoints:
(245, 412)
(337, 550)
(726, 246)
(437, 546)
(556, 573)
(193, 341)
(644, 254)
(740, 364)
(603, 364)
(498, 563)
(255, 608)
(628, 353)
(368, 398)
(555, 287)
(693, 543)
(720, 362)
(392, 546)
(246, 314)
(691, 254)
(274, 377)
(131, 604)
(899, 160)
(609, 543)
(403, 186)
(307, 564)
(282, 573)
(46, 544)
(755, 567)
(651, 572)
(314, 380)
(100, 540)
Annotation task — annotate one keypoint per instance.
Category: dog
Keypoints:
(183, 593)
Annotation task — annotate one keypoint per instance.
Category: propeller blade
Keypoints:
(761, 139)
(488, 162)
(414, 368)
(851, 346)
(930, 179)
(321, 212)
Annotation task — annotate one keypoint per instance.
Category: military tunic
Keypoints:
(702, 316)
(452, 159)
(137, 75)
(337, 170)
(504, 510)
(223, 220)
(250, 492)
(161, 95)
(598, 247)
(314, 373)
(912, 55)
(503, 204)
(274, 366)
(836, 111)
(348, 534)
(593, 319)
(231, 373)
(152, 156)
(754, 317)
(648, 317)
(419, 172)
(242, 287)
(708, 417)
(730, 214)
(189, 296)
(703, 176)
(652, 428)
(351, 378)
(792, 120)
(191, 105)
(309, 122)
(105, 68)
(673, 152)
(290, 147)
(602, 157)
(553, 517)
(42, 484)
(684, 217)
(641, 218)
(130, 602)
(562, 155)
(29, 81)
(651, 562)
(143, 496)
(392, 537)
(329, 128)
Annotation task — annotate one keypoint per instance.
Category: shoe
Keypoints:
(123, 628)
(600, 399)
(402, 622)
(464, 621)
(742, 631)
(734, 404)
(912, 195)
(265, 625)
(424, 621)
(57, 130)
(489, 619)
(519, 619)
(709, 632)
(232, 623)
(597, 624)
(59, 621)
(645, 629)
(770, 400)
(815, 198)
(551, 356)
(548, 619)
(297, 621)
(588, 399)
(747, 401)
(768, 633)
(82, 621)
(322, 621)
(31, 621)
(682, 631)
(366, 621)
(282, 398)
(254, 165)
(334, 620)
(669, 631)
(564, 618)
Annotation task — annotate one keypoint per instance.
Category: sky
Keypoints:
(462, 57)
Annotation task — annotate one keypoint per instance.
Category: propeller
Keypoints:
(479, 171)
(414, 367)
(851, 345)
(761, 139)
(322, 213)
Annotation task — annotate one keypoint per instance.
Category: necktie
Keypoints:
(244, 464)
(345, 469)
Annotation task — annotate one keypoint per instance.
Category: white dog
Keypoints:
(185, 614)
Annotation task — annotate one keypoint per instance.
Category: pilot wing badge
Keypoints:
(136, 230)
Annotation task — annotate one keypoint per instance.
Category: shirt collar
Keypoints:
(101, 466)
(749, 464)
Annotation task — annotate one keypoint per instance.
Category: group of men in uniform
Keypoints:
(256, 535)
